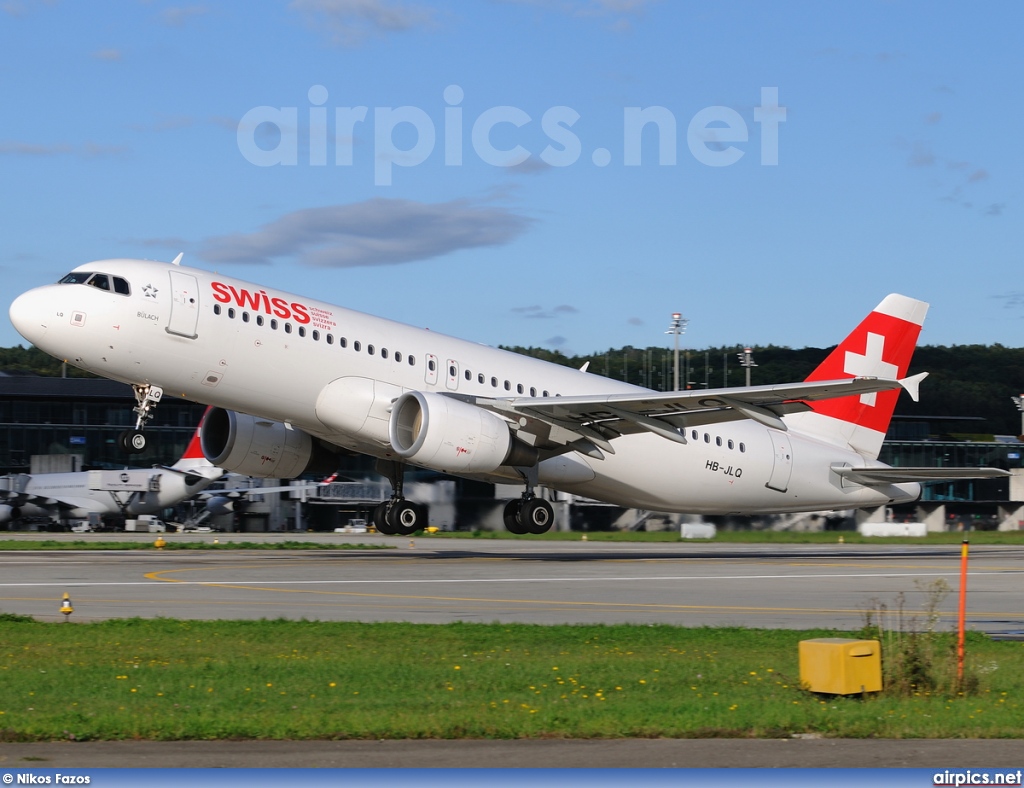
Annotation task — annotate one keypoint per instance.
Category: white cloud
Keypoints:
(374, 232)
(178, 16)
(349, 22)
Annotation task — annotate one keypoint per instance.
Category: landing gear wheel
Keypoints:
(132, 441)
(406, 517)
(511, 518)
(380, 519)
(536, 515)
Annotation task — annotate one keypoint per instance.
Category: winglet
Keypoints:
(911, 384)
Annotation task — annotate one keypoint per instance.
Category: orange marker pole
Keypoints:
(963, 610)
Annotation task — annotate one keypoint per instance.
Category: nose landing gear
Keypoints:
(146, 397)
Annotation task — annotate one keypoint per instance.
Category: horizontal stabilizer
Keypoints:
(881, 475)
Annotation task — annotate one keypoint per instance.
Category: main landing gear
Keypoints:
(146, 398)
(397, 516)
(529, 514)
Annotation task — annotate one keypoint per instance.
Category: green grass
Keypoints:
(170, 679)
(724, 537)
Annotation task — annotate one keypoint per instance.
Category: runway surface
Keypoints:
(430, 580)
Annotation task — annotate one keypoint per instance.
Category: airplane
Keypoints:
(126, 493)
(295, 382)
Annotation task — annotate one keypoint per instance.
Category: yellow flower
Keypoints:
(332, 684)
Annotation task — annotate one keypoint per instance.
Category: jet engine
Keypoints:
(8, 513)
(452, 436)
(252, 446)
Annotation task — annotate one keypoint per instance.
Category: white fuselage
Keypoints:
(105, 493)
(232, 344)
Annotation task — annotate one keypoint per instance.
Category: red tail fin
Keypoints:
(193, 452)
(881, 346)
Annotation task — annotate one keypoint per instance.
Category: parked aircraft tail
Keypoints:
(881, 346)
(193, 458)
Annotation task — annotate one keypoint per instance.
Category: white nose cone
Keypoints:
(29, 315)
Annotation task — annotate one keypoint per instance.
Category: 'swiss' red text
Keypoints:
(260, 301)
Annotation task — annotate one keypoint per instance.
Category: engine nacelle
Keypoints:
(453, 436)
(223, 504)
(8, 513)
(259, 447)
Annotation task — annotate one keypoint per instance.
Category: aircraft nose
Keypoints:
(29, 315)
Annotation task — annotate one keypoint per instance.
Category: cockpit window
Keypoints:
(100, 281)
(76, 278)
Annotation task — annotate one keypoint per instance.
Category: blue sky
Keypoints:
(144, 129)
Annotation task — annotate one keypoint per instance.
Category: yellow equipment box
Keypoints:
(841, 666)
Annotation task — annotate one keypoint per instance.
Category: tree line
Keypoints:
(966, 382)
(968, 391)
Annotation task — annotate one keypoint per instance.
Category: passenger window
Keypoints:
(494, 382)
(231, 313)
(519, 388)
(743, 447)
(731, 444)
(533, 391)
(273, 324)
(357, 346)
(342, 342)
(330, 339)
(245, 317)
(412, 361)
(707, 438)
(316, 335)
(216, 309)
(383, 352)
(398, 356)
(369, 350)
(432, 365)
(287, 328)
(259, 320)
(480, 378)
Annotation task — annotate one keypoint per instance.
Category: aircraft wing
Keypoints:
(549, 422)
(14, 492)
(869, 476)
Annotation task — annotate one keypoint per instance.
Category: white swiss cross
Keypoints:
(870, 365)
